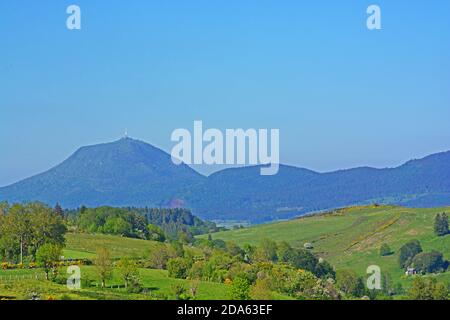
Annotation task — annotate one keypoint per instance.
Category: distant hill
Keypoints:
(129, 172)
(294, 191)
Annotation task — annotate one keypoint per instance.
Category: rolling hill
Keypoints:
(351, 238)
(129, 172)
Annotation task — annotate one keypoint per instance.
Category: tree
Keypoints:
(349, 283)
(178, 267)
(427, 289)
(25, 228)
(408, 252)
(118, 226)
(47, 258)
(240, 289)
(441, 224)
(103, 265)
(59, 211)
(155, 233)
(128, 270)
(285, 252)
(385, 250)
(267, 251)
(159, 256)
(428, 262)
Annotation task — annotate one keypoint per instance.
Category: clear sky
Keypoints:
(341, 95)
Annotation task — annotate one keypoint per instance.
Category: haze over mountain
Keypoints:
(129, 172)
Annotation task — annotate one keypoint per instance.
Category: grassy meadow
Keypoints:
(351, 238)
(23, 283)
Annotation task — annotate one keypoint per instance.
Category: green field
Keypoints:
(348, 238)
(351, 238)
(81, 245)
(20, 284)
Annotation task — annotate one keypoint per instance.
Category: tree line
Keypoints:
(25, 228)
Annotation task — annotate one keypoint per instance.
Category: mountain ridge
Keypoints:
(130, 172)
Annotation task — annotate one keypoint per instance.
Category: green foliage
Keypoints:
(178, 267)
(429, 262)
(130, 274)
(240, 289)
(350, 283)
(25, 228)
(267, 251)
(159, 257)
(385, 250)
(408, 252)
(115, 221)
(144, 223)
(47, 258)
(441, 224)
(180, 292)
(428, 289)
(104, 265)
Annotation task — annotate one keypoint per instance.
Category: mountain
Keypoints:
(122, 173)
(129, 172)
(295, 191)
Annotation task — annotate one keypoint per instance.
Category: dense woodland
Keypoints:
(143, 223)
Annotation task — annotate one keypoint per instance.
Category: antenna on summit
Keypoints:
(126, 134)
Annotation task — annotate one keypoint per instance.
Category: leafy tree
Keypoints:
(156, 233)
(178, 267)
(267, 251)
(47, 257)
(217, 267)
(427, 289)
(104, 265)
(349, 282)
(408, 252)
(234, 250)
(117, 226)
(324, 270)
(128, 270)
(25, 228)
(240, 289)
(159, 256)
(385, 250)
(441, 224)
(428, 262)
(285, 252)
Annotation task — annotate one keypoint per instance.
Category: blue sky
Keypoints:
(341, 95)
